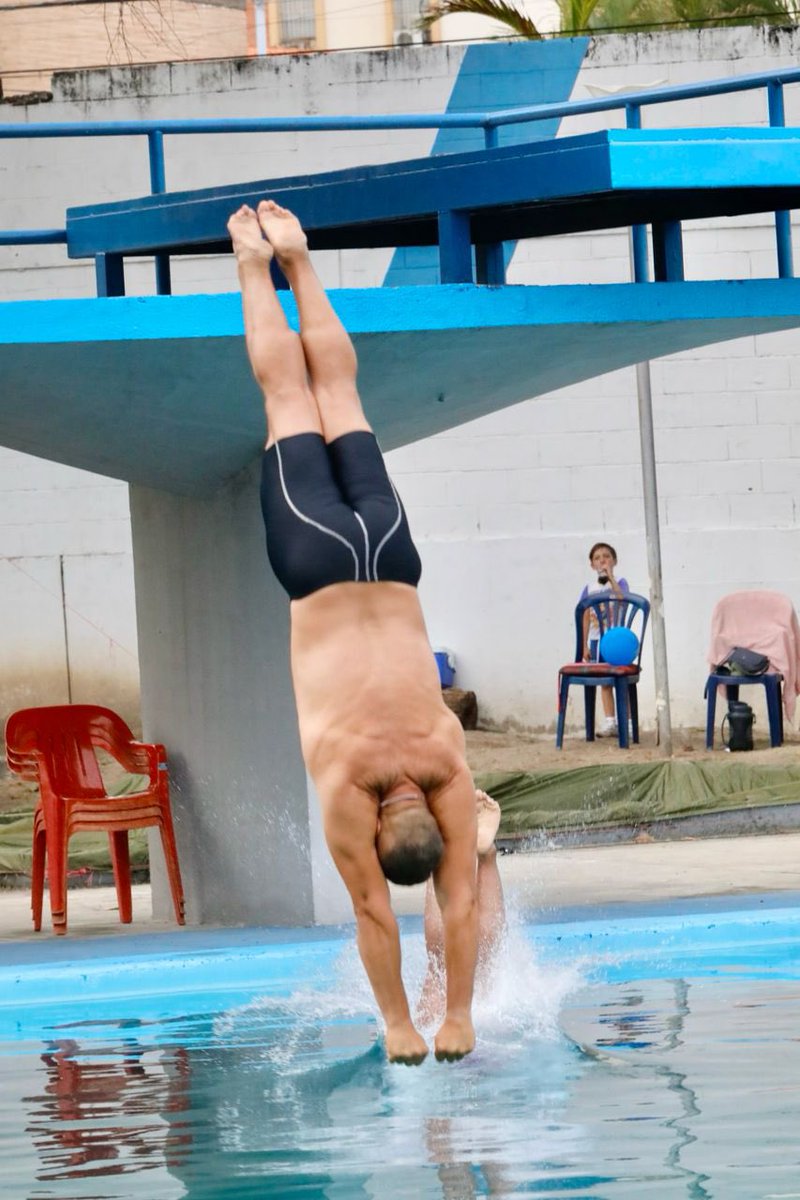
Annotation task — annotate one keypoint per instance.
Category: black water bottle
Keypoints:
(740, 719)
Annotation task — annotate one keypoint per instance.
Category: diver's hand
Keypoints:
(455, 1039)
(404, 1045)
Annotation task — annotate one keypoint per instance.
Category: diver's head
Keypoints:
(408, 842)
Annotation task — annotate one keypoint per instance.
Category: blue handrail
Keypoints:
(490, 122)
(32, 237)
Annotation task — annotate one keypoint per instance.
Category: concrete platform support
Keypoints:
(213, 635)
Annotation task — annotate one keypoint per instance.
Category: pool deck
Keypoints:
(550, 884)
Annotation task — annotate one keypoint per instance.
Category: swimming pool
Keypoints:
(655, 1055)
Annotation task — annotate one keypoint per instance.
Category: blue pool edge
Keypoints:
(183, 961)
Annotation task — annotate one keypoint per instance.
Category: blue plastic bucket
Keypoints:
(446, 662)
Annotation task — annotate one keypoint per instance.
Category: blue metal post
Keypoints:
(641, 268)
(490, 260)
(647, 445)
(783, 220)
(158, 185)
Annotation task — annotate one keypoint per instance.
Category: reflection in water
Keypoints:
(630, 1023)
(101, 1109)
(300, 1101)
(694, 1097)
(708, 1095)
(689, 1107)
(293, 1097)
(633, 1024)
(461, 1179)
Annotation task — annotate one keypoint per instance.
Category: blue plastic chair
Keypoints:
(772, 686)
(633, 612)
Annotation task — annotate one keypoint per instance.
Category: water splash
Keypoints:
(335, 1016)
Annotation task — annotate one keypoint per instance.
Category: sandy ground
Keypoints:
(489, 751)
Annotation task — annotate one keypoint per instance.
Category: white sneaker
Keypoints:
(608, 728)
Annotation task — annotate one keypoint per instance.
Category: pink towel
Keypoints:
(765, 622)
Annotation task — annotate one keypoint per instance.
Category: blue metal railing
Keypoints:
(490, 123)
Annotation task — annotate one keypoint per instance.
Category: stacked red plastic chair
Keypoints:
(55, 747)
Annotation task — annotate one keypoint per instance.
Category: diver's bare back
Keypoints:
(368, 696)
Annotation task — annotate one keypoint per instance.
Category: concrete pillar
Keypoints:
(213, 629)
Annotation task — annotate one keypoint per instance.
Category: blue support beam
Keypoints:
(490, 264)
(667, 252)
(109, 274)
(455, 249)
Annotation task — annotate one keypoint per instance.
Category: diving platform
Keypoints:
(457, 202)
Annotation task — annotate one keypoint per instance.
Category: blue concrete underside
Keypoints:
(600, 180)
(157, 390)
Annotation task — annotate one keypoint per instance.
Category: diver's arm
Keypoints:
(352, 844)
(455, 884)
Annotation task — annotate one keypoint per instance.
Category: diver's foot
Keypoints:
(248, 241)
(455, 1039)
(404, 1045)
(488, 821)
(284, 232)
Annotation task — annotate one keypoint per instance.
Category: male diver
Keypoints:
(386, 754)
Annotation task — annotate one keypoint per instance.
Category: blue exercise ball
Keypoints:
(619, 646)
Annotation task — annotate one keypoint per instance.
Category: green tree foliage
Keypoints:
(618, 16)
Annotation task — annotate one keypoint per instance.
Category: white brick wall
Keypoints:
(506, 507)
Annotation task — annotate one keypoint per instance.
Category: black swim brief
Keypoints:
(333, 515)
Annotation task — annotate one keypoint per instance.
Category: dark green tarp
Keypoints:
(624, 794)
(632, 793)
(85, 849)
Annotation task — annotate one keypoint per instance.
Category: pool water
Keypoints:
(657, 1056)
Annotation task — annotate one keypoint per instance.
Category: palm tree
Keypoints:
(499, 10)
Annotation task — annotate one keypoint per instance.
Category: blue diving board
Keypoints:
(603, 180)
(157, 389)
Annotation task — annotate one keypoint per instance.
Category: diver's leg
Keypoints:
(275, 351)
(431, 1004)
(491, 915)
(491, 912)
(329, 353)
(491, 903)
